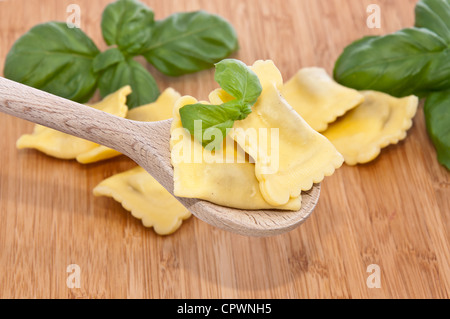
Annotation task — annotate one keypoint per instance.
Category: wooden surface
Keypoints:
(393, 212)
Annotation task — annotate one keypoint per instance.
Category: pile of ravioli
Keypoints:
(320, 125)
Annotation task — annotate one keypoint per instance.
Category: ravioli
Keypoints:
(146, 199)
(136, 189)
(54, 143)
(224, 177)
(97, 154)
(302, 156)
(318, 98)
(379, 121)
(159, 110)
(65, 146)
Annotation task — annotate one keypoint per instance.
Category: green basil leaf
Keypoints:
(106, 59)
(435, 16)
(54, 58)
(127, 24)
(219, 117)
(410, 61)
(238, 80)
(437, 115)
(129, 72)
(189, 42)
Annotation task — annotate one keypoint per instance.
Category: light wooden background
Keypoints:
(393, 212)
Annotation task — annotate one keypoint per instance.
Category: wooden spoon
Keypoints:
(147, 143)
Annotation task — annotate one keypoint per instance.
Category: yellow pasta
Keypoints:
(146, 199)
(65, 146)
(318, 98)
(97, 154)
(379, 121)
(224, 177)
(161, 109)
(54, 143)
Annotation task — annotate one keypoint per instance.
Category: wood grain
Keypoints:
(393, 212)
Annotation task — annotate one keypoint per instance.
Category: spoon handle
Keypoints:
(145, 143)
(61, 114)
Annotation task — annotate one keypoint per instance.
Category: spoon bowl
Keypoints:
(146, 143)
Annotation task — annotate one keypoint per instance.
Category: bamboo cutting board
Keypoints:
(393, 213)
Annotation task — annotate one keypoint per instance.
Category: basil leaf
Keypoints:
(437, 115)
(410, 61)
(106, 59)
(127, 23)
(189, 42)
(129, 72)
(435, 16)
(220, 117)
(238, 80)
(54, 58)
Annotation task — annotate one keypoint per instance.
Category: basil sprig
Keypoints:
(410, 61)
(66, 62)
(189, 41)
(435, 16)
(240, 82)
(56, 59)
(437, 115)
(127, 24)
(129, 72)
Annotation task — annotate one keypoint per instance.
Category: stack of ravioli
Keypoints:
(304, 156)
(320, 125)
